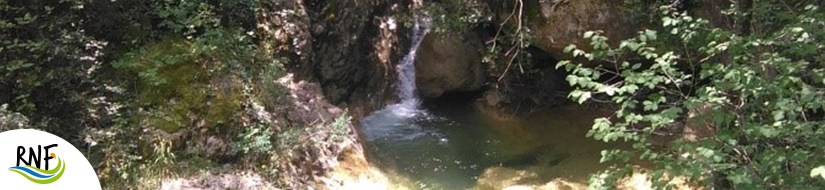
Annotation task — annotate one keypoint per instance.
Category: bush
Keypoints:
(255, 139)
(11, 120)
(49, 64)
(758, 89)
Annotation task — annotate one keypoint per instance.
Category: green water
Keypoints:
(448, 145)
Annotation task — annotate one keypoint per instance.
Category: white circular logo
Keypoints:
(40, 160)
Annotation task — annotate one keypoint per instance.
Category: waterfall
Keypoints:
(406, 72)
(397, 122)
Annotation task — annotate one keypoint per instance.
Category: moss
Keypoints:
(225, 103)
(175, 89)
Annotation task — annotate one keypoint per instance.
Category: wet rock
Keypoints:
(492, 98)
(448, 63)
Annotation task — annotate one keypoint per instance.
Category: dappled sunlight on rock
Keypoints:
(641, 180)
(218, 181)
(515, 179)
(354, 172)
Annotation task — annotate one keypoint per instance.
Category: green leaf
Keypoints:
(585, 71)
(667, 21)
(588, 34)
(634, 46)
(569, 48)
(818, 171)
(572, 79)
(650, 34)
(769, 131)
(575, 94)
(630, 88)
(584, 96)
(562, 63)
(578, 52)
(609, 90)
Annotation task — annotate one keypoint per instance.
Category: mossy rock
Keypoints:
(176, 89)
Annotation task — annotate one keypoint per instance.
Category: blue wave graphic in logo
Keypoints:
(41, 176)
(31, 172)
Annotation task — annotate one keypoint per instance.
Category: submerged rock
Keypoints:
(541, 156)
(501, 177)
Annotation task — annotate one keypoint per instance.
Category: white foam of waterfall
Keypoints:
(409, 104)
(397, 122)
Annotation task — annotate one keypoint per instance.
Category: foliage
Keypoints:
(758, 89)
(268, 92)
(511, 40)
(340, 127)
(456, 16)
(121, 151)
(48, 63)
(255, 139)
(174, 89)
(135, 82)
(195, 77)
(11, 120)
(295, 138)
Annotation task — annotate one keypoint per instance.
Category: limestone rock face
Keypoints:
(354, 46)
(558, 23)
(448, 63)
(348, 47)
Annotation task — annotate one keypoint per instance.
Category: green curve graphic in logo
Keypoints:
(41, 176)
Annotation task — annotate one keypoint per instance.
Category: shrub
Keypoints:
(759, 89)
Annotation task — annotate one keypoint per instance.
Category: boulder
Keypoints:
(448, 63)
(558, 23)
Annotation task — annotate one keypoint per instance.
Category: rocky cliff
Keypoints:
(350, 47)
